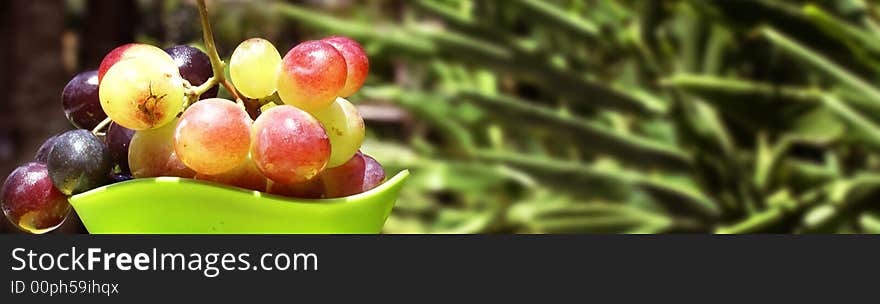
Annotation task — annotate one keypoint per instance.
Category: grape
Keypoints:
(80, 101)
(43, 152)
(289, 145)
(313, 189)
(119, 177)
(253, 68)
(151, 154)
(311, 75)
(374, 173)
(79, 161)
(246, 176)
(346, 179)
(194, 66)
(356, 61)
(357, 175)
(345, 127)
(133, 50)
(142, 94)
(213, 136)
(31, 201)
(118, 139)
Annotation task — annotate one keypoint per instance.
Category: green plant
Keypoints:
(626, 116)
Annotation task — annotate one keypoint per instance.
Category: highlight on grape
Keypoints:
(152, 112)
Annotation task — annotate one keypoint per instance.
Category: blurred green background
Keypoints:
(565, 116)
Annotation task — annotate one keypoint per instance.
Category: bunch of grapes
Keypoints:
(161, 117)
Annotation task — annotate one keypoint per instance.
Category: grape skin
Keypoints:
(30, 200)
(246, 176)
(194, 66)
(79, 161)
(311, 75)
(345, 127)
(213, 136)
(119, 177)
(151, 154)
(358, 65)
(118, 139)
(80, 101)
(253, 68)
(310, 189)
(289, 145)
(346, 179)
(130, 51)
(359, 174)
(142, 94)
(43, 152)
(374, 173)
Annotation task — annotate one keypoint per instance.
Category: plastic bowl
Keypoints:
(171, 205)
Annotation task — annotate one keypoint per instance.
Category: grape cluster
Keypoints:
(162, 119)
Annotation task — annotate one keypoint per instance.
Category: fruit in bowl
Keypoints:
(163, 154)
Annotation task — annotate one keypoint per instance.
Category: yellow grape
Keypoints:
(142, 94)
(254, 68)
(345, 127)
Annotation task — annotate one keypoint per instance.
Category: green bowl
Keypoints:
(171, 205)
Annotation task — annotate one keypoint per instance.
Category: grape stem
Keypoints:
(216, 63)
(201, 89)
(103, 124)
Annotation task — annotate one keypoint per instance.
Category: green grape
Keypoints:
(345, 127)
(254, 68)
(142, 94)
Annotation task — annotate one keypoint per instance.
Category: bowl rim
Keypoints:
(388, 183)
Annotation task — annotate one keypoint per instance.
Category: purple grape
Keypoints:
(194, 66)
(43, 153)
(121, 177)
(118, 139)
(80, 101)
(79, 161)
(374, 174)
(31, 201)
(359, 174)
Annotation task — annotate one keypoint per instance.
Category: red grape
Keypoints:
(80, 101)
(31, 201)
(356, 61)
(359, 174)
(246, 176)
(128, 51)
(312, 189)
(312, 75)
(213, 136)
(289, 145)
(194, 66)
(374, 175)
